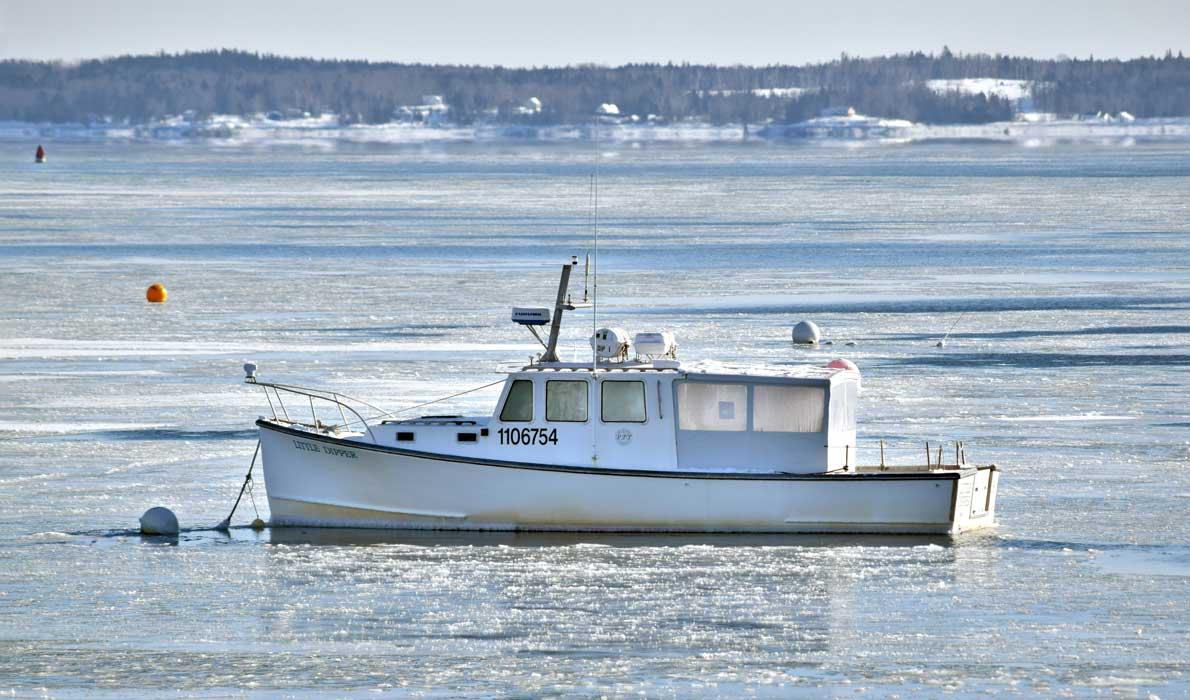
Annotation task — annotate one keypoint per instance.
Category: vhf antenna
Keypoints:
(595, 248)
(586, 277)
(595, 282)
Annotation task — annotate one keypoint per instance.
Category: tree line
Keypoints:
(140, 89)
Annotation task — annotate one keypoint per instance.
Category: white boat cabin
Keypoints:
(654, 416)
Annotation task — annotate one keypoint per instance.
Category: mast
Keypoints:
(560, 305)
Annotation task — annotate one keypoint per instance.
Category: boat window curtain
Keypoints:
(844, 398)
(566, 400)
(787, 409)
(709, 406)
(623, 402)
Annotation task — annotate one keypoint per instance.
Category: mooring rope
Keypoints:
(953, 326)
(226, 524)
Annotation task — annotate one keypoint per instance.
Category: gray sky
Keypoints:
(539, 32)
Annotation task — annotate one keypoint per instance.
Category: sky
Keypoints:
(539, 32)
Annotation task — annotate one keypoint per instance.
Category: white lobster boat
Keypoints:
(615, 445)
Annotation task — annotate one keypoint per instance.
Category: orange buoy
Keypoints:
(156, 293)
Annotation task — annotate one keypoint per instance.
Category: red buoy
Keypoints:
(840, 363)
(40, 155)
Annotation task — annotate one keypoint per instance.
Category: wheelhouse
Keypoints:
(656, 418)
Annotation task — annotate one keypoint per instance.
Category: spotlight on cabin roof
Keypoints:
(806, 333)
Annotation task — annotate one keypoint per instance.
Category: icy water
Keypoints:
(1064, 273)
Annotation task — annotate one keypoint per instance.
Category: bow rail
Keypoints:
(342, 402)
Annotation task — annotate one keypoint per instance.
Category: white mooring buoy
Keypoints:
(806, 333)
(159, 521)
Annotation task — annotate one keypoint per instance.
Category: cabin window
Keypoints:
(623, 402)
(566, 400)
(787, 409)
(518, 407)
(707, 406)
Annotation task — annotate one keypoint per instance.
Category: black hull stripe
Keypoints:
(652, 474)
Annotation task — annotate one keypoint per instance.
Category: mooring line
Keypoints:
(226, 524)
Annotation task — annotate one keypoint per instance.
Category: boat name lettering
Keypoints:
(339, 452)
(528, 436)
(314, 447)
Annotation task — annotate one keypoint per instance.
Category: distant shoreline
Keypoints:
(230, 130)
(155, 92)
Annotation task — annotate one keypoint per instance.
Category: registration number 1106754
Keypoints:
(528, 436)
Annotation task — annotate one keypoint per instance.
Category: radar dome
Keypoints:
(610, 343)
(658, 344)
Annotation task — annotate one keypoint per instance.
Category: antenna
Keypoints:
(595, 288)
(587, 278)
(595, 246)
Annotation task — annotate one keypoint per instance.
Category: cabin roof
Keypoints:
(612, 369)
(793, 371)
(705, 369)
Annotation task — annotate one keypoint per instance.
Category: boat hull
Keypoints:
(318, 480)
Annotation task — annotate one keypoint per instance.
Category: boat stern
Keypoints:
(974, 499)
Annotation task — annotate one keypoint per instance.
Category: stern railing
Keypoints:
(938, 456)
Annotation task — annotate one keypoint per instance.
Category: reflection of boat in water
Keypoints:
(39, 156)
(617, 444)
(359, 537)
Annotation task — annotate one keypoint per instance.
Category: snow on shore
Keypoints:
(328, 131)
(1015, 90)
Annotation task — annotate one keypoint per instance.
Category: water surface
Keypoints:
(1062, 275)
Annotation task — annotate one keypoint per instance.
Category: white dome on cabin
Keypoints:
(657, 344)
(806, 333)
(610, 343)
